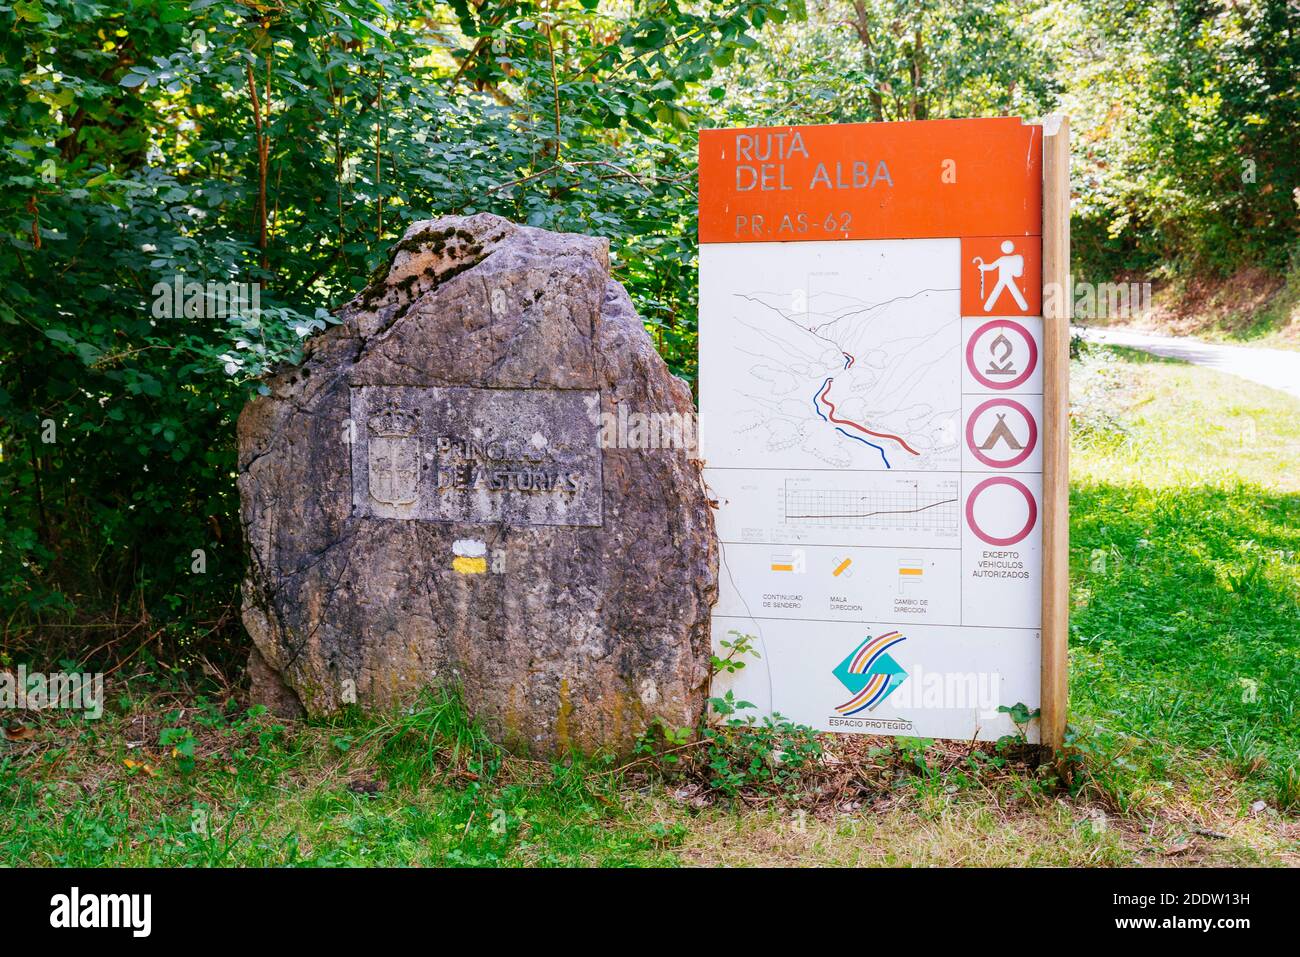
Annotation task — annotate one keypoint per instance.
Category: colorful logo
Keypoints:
(870, 674)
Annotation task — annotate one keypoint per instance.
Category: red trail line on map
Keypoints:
(825, 397)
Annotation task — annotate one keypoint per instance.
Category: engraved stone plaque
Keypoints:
(480, 456)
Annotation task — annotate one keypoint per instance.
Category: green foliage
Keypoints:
(1187, 131)
(287, 146)
(771, 756)
(1286, 786)
(879, 60)
(433, 740)
(284, 147)
(1020, 716)
(1185, 122)
(663, 744)
(737, 649)
(182, 743)
(732, 753)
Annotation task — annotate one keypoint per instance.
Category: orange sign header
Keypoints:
(920, 180)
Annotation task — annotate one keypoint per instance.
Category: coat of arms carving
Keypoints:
(394, 456)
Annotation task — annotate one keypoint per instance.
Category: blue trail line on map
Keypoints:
(817, 408)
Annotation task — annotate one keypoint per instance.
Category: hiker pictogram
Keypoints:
(1010, 268)
(1001, 275)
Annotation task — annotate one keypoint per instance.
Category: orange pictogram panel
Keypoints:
(1001, 276)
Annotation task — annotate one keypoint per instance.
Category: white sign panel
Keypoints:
(872, 435)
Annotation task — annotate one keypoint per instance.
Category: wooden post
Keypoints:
(1056, 428)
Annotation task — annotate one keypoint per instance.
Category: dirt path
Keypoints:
(1275, 368)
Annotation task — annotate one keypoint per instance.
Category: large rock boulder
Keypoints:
(442, 493)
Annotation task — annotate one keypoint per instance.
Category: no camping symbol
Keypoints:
(1001, 433)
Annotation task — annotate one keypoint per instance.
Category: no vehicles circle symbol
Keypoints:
(1001, 434)
(984, 486)
(1003, 361)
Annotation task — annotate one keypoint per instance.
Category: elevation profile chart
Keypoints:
(901, 507)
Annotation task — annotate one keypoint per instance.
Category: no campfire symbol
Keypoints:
(394, 457)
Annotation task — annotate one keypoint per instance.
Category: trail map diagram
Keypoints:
(844, 357)
(872, 369)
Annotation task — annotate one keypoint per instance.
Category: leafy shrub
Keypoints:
(284, 148)
(773, 755)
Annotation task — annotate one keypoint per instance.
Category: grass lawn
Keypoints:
(1185, 687)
